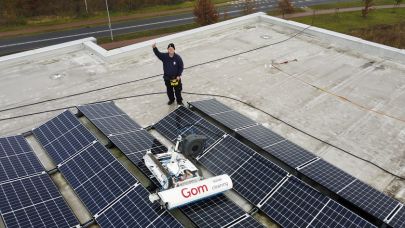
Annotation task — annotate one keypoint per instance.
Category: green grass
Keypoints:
(381, 25)
(148, 33)
(349, 4)
(278, 12)
(345, 22)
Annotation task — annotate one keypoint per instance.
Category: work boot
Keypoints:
(170, 102)
(180, 103)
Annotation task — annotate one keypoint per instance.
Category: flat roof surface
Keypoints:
(350, 98)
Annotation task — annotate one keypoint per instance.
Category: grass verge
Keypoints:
(380, 23)
(350, 4)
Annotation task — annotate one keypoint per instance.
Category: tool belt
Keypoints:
(174, 82)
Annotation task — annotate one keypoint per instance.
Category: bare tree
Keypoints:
(205, 12)
(249, 6)
(285, 7)
(367, 7)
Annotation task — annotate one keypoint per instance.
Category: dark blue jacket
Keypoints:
(172, 66)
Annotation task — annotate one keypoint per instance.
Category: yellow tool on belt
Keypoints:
(174, 82)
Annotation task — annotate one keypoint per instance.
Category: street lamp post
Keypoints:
(109, 20)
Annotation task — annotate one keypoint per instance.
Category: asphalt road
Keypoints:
(23, 43)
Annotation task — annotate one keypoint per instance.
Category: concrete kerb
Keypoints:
(46, 51)
(344, 41)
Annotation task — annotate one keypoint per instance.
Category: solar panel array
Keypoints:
(28, 197)
(218, 211)
(135, 210)
(97, 177)
(63, 136)
(123, 132)
(17, 159)
(34, 202)
(336, 180)
(254, 177)
(281, 148)
(100, 181)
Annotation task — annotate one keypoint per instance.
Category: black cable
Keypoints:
(226, 97)
(153, 76)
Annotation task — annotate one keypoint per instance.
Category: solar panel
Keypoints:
(100, 110)
(335, 215)
(327, 175)
(34, 202)
(256, 178)
(369, 199)
(216, 211)
(294, 204)
(97, 177)
(290, 153)
(233, 120)
(210, 106)
(183, 121)
(108, 118)
(63, 136)
(226, 156)
(260, 136)
(249, 221)
(398, 221)
(176, 122)
(135, 210)
(135, 145)
(17, 159)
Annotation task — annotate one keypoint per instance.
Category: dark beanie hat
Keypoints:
(171, 45)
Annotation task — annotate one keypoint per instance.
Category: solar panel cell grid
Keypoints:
(256, 178)
(335, 215)
(135, 210)
(17, 159)
(100, 110)
(290, 153)
(398, 221)
(226, 156)
(327, 175)
(97, 177)
(247, 222)
(294, 204)
(233, 120)
(176, 122)
(34, 202)
(260, 136)
(56, 127)
(369, 199)
(210, 106)
(116, 124)
(213, 212)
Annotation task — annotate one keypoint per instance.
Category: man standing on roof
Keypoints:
(172, 68)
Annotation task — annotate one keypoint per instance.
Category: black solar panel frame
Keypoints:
(233, 120)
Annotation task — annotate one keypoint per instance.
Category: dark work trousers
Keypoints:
(174, 90)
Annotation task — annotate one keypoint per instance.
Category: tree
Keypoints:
(285, 6)
(249, 6)
(205, 12)
(367, 7)
(398, 2)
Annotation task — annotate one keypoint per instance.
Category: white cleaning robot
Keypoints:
(180, 180)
